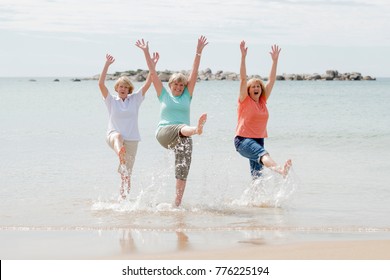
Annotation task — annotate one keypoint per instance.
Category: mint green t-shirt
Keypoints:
(174, 109)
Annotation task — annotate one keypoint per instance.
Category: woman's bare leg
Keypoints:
(180, 187)
(271, 164)
(116, 141)
(122, 188)
(192, 130)
(121, 154)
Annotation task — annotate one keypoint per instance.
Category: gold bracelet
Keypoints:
(198, 54)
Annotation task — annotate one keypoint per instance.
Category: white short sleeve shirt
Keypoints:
(123, 115)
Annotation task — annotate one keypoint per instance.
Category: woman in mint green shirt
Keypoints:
(174, 130)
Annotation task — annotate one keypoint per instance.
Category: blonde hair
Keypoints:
(178, 78)
(254, 81)
(126, 81)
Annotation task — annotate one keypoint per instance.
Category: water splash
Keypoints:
(157, 193)
(151, 198)
(125, 177)
(270, 190)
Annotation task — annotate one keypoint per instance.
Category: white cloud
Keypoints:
(287, 21)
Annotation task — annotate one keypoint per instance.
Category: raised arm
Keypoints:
(148, 81)
(275, 50)
(151, 65)
(243, 82)
(202, 42)
(109, 60)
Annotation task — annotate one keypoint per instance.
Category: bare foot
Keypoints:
(201, 122)
(283, 170)
(121, 155)
(286, 167)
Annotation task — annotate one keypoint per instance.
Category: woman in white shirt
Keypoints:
(122, 132)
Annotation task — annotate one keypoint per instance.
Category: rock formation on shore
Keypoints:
(207, 75)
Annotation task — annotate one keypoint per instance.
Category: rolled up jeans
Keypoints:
(252, 149)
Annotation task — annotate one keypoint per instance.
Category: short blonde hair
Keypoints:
(178, 78)
(126, 81)
(254, 81)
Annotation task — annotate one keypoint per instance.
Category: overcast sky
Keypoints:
(71, 37)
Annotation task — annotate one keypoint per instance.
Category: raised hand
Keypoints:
(151, 61)
(142, 45)
(244, 49)
(155, 58)
(109, 59)
(202, 42)
(275, 50)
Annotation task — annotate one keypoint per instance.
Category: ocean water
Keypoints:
(59, 175)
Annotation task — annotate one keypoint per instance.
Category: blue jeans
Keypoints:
(253, 149)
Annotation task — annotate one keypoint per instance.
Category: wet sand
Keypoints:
(319, 250)
(121, 245)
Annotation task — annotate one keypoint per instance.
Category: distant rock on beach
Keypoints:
(207, 75)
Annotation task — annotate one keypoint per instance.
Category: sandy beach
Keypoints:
(326, 259)
(114, 245)
(320, 250)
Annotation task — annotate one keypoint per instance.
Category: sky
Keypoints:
(70, 38)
